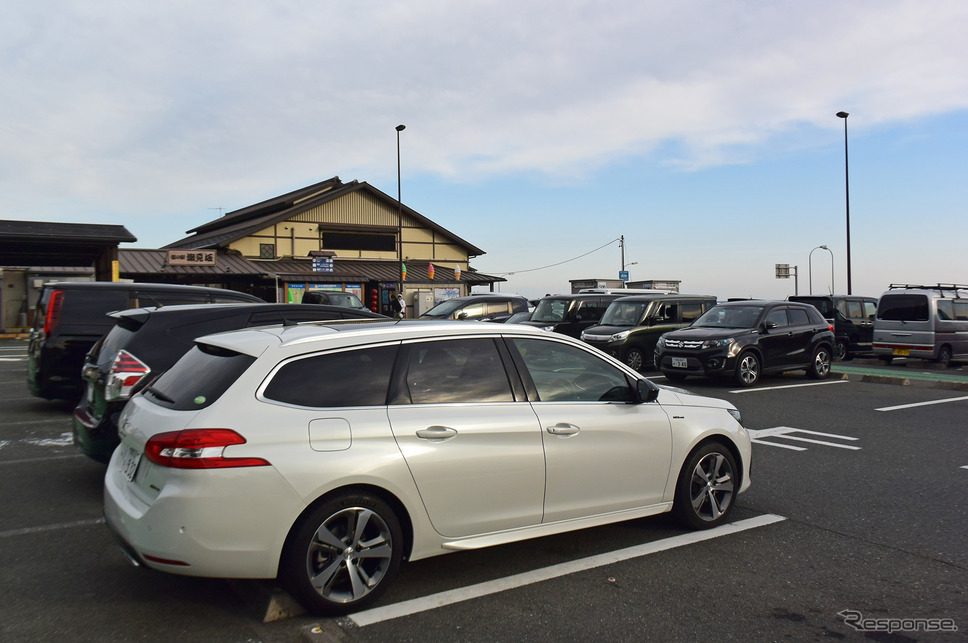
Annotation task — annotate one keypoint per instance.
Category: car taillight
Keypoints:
(126, 372)
(831, 327)
(197, 449)
(53, 311)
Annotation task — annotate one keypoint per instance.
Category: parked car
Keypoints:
(517, 318)
(570, 314)
(631, 326)
(927, 322)
(145, 342)
(327, 454)
(852, 317)
(333, 298)
(72, 315)
(745, 339)
(480, 307)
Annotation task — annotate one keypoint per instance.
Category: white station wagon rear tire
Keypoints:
(343, 554)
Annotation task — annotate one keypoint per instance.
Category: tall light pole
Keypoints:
(810, 267)
(400, 128)
(844, 116)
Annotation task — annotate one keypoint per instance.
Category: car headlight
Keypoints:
(736, 414)
(660, 343)
(620, 337)
(716, 343)
(548, 328)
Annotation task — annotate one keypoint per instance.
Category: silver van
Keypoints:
(927, 322)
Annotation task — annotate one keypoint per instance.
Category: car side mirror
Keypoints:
(462, 316)
(767, 326)
(646, 392)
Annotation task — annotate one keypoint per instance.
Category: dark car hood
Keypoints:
(608, 330)
(694, 333)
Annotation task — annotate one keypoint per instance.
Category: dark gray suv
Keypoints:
(744, 339)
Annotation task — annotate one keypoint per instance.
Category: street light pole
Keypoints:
(844, 116)
(399, 128)
(810, 267)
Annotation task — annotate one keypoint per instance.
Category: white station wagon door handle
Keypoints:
(563, 429)
(437, 433)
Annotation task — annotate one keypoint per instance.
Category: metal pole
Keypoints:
(844, 116)
(399, 128)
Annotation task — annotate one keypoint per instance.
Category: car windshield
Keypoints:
(625, 313)
(550, 310)
(345, 299)
(730, 317)
(444, 308)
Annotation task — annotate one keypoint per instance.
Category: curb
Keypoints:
(907, 381)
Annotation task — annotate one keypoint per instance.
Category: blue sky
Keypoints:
(703, 131)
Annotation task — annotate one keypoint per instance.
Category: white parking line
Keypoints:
(406, 608)
(777, 388)
(911, 406)
(64, 525)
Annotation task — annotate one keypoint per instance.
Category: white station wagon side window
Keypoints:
(561, 372)
(457, 370)
(358, 377)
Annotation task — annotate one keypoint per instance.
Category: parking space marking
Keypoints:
(414, 606)
(911, 406)
(26, 531)
(787, 433)
(777, 388)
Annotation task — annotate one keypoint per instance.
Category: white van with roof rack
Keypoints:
(927, 322)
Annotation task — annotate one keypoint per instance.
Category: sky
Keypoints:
(702, 132)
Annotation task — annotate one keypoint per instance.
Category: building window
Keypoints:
(359, 241)
(267, 251)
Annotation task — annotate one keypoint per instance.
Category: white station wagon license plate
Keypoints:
(678, 362)
(129, 465)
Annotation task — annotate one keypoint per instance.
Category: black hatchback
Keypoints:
(744, 339)
(146, 342)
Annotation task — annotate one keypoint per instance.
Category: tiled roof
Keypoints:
(241, 223)
(65, 232)
(134, 262)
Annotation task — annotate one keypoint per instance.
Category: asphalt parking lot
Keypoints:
(865, 520)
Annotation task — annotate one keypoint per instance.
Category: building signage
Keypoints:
(322, 264)
(191, 258)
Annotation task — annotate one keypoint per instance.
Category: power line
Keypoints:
(557, 264)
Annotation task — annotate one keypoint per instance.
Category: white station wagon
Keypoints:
(324, 454)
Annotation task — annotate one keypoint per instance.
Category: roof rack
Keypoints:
(939, 287)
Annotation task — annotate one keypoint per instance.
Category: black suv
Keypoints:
(632, 325)
(482, 307)
(570, 314)
(145, 342)
(746, 338)
(72, 315)
(852, 317)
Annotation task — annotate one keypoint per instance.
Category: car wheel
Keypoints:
(748, 369)
(343, 554)
(706, 487)
(675, 377)
(944, 356)
(820, 367)
(840, 350)
(635, 359)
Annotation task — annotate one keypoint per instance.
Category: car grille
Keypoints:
(596, 338)
(688, 344)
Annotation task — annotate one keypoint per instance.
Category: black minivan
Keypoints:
(632, 325)
(852, 317)
(72, 315)
(570, 314)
